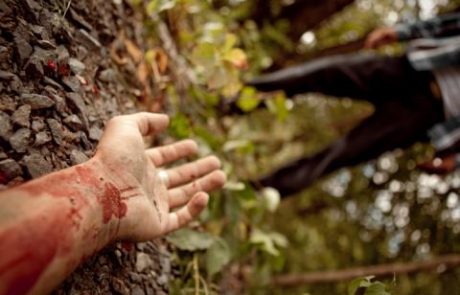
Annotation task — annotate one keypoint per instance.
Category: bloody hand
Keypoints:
(136, 174)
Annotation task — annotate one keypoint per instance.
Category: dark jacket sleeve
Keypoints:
(443, 26)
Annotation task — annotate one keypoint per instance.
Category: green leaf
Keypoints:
(264, 241)
(190, 240)
(217, 78)
(234, 186)
(279, 240)
(212, 139)
(242, 145)
(233, 85)
(278, 37)
(376, 288)
(166, 5)
(180, 126)
(237, 58)
(152, 6)
(217, 256)
(204, 55)
(248, 100)
(359, 283)
(160, 5)
(268, 241)
(230, 41)
(278, 106)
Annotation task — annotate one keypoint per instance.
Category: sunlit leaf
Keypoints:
(234, 186)
(152, 6)
(190, 240)
(272, 198)
(237, 58)
(268, 241)
(230, 41)
(213, 30)
(242, 145)
(248, 100)
(279, 240)
(166, 4)
(160, 5)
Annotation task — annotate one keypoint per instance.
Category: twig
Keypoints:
(292, 280)
(205, 287)
(180, 67)
(67, 8)
(196, 274)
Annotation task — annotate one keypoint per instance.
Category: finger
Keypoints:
(169, 153)
(181, 195)
(368, 44)
(148, 123)
(191, 171)
(186, 214)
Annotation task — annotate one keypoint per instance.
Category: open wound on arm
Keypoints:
(60, 220)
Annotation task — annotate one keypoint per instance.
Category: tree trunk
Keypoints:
(66, 67)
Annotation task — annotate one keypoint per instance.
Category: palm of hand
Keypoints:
(148, 197)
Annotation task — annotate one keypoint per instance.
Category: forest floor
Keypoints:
(64, 71)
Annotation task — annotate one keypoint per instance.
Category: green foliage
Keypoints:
(160, 5)
(217, 256)
(365, 286)
(371, 214)
(180, 126)
(248, 100)
(217, 61)
(190, 240)
(268, 242)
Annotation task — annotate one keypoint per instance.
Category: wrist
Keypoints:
(108, 206)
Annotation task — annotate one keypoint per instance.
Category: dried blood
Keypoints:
(111, 203)
(51, 65)
(30, 247)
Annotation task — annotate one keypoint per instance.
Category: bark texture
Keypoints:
(66, 67)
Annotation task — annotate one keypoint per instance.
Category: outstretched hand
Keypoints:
(151, 191)
(380, 37)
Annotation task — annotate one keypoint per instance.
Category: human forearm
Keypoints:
(49, 225)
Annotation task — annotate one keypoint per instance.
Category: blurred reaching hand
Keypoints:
(380, 37)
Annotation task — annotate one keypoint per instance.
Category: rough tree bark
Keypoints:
(66, 67)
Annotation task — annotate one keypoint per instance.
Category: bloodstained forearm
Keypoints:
(49, 225)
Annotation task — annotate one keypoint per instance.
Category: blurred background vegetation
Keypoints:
(381, 212)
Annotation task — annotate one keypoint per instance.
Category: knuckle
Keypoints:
(115, 120)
